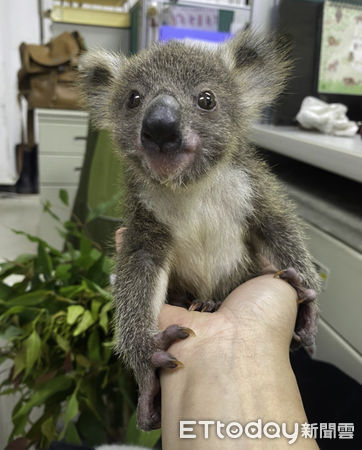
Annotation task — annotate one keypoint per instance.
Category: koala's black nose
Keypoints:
(161, 125)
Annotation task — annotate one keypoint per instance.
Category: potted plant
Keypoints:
(56, 321)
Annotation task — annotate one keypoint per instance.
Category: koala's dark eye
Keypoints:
(134, 99)
(206, 100)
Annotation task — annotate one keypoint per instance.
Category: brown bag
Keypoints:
(48, 73)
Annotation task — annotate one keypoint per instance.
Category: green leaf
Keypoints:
(94, 346)
(88, 260)
(72, 436)
(102, 208)
(71, 291)
(31, 298)
(63, 272)
(48, 429)
(71, 250)
(19, 363)
(47, 208)
(37, 240)
(19, 426)
(33, 351)
(95, 254)
(92, 397)
(103, 316)
(62, 343)
(95, 306)
(44, 391)
(136, 436)
(92, 427)
(83, 361)
(107, 352)
(85, 245)
(64, 197)
(24, 258)
(11, 332)
(71, 411)
(72, 228)
(73, 312)
(95, 287)
(44, 262)
(5, 267)
(11, 311)
(5, 291)
(85, 322)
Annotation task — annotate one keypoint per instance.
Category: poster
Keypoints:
(193, 17)
(340, 69)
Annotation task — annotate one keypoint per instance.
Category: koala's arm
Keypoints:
(277, 229)
(279, 237)
(140, 289)
(282, 242)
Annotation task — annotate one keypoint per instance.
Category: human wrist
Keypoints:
(243, 393)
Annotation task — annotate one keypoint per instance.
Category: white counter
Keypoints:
(340, 155)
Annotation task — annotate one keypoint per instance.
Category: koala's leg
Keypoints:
(140, 291)
(281, 241)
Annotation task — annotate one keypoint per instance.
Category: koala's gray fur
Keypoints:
(197, 228)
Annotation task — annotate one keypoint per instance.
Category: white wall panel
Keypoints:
(18, 22)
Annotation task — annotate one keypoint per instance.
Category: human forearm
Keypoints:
(254, 389)
(239, 378)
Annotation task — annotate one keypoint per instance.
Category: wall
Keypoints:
(19, 22)
(262, 14)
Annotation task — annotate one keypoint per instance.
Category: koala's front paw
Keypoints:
(163, 340)
(291, 276)
(306, 323)
(149, 402)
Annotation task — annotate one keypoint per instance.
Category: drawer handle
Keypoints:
(77, 169)
(80, 138)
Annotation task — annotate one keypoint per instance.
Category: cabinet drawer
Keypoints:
(62, 138)
(341, 301)
(55, 169)
(332, 348)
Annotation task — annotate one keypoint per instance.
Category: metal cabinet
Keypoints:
(62, 136)
(327, 190)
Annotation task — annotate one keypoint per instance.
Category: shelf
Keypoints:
(83, 16)
(340, 155)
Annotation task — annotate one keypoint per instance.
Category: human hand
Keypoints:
(257, 316)
(236, 368)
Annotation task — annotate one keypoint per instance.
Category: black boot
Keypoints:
(28, 179)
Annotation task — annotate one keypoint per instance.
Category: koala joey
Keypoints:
(203, 209)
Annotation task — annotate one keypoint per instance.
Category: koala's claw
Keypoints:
(171, 334)
(290, 275)
(164, 360)
(208, 306)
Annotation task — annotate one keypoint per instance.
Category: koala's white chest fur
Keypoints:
(206, 223)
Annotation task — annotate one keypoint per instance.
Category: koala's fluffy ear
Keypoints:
(261, 66)
(98, 70)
